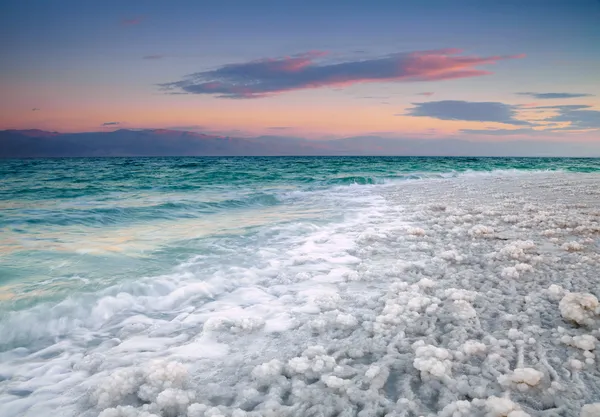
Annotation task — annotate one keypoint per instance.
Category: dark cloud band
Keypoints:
(549, 96)
(468, 111)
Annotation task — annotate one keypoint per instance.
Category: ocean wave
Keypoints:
(391, 178)
(112, 212)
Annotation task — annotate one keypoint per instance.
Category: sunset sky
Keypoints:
(477, 69)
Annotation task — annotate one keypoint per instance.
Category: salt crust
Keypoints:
(485, 305)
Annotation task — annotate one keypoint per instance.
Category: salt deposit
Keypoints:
(590, 410)
(523, 378)
(580, 308)
(485, 305)
(503, 407)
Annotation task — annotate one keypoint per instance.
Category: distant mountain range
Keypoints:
(163, 142)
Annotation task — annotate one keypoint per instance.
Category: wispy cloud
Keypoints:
(549, 96)
(153, 57)
(579, 117)
(375, 97)
(501, 132)
(131, 22)
(110, 123)
(467, 110)
(266, 77)
(35, 109)
(188, 127)
(426, 93)
(569, 117)
(565, 107)
(280, 128)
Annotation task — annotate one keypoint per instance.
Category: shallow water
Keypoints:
(219, 266)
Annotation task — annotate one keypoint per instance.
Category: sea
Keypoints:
(300, 286)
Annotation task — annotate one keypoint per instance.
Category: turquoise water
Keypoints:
(79, 225)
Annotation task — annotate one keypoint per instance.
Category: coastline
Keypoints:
(430, 297)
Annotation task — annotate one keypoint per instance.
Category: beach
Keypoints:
(369, 287)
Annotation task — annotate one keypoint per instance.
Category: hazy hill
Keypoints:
(161, 142)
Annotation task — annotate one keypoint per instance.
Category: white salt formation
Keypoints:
(580, 308)
(585, 342)
(522, 378)
(572, 246)
(480, 231)
(503, 407)
(590, 410)
(483, 305)
(433, 362)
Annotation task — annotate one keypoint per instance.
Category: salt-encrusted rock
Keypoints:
(416, 231)
(580, 308)
(426, 283)
(347, 321)
(452, 256)
(572, 246)
(590, 410)
(480, 231)
(214, 412)
(126, 411)
(460, 294)
(146, 383)
(510, 272)
(116, 387)
(334, 382)
(432, 361)
(518, 249)
(585, 342)
(268, 370)
(503, 407)
(463, 310)
(328, 301)
(313, 362)
(377, 376)
(522, 267)
(556, 290)
(473, 347)
(174, 402)
(576, 364)
(457, 409)
(523, 378)
(196, 410)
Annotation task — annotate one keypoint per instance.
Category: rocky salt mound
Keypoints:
(451, 298)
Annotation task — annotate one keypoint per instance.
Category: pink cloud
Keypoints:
(265, 77)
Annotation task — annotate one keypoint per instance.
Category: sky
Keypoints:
(470, 69)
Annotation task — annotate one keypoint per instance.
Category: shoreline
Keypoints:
(428, 298)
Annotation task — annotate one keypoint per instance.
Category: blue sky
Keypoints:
(83, 64)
